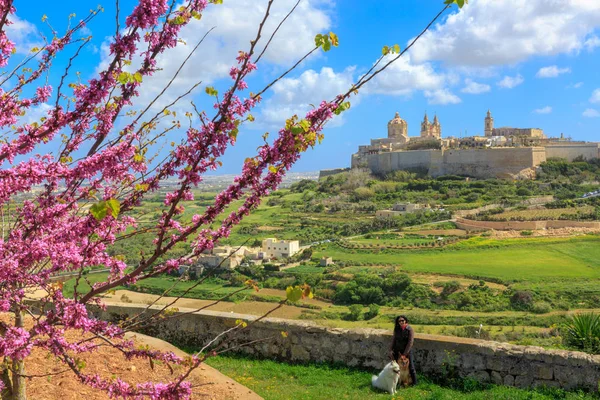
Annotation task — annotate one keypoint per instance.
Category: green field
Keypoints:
(512, 261)
(278, 381)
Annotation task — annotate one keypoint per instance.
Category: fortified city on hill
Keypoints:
(504, 152)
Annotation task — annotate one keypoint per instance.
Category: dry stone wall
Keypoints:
(469, 224)
(521, 366)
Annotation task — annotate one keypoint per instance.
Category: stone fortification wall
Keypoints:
(521, 366)
(478, 163)
(495, 162)
(468, 224)
(328, 172)
(384, 163)
(573, 150)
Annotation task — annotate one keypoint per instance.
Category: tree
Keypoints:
(92, 184)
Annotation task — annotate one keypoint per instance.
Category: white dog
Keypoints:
(388, 378)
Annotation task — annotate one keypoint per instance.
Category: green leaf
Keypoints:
(304, 124)
(296, 130)
(137, 77)
(273, 169)
(211, 91)
(459, 3)
(114, 207)
(123, 78)
(293, 294)
(342, 107)
(385, 51)
(99, 210)
(396, 49)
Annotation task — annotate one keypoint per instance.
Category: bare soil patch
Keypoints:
(432, 279)
(266, 228)
(243, 307)
(108, 362)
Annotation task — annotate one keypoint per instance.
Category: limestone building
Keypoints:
(431, 130)
(509, 132)
(504, 152)
(273, 248)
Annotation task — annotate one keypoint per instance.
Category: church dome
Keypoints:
(397, 120)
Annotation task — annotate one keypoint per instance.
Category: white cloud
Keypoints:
(501, 32)
(441, 96)
(509, 82)
(544, 110)
(403, 77)
(217, 53)
(475, 88)
(552, 72)
(24, 34)
(592, 42)
(595, 96)
(591, 113)
(575, 85)
(295, 95)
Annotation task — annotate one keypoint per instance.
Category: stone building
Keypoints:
(509, 132)
(398, 139)
(274, 248)
(505, 152)
(431, 130)
(398, 130)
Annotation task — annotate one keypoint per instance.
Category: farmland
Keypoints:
(449, 281)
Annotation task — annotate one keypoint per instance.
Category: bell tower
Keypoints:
(489, 124)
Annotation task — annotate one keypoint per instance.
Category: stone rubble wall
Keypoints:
(521, 366)
(468, 224)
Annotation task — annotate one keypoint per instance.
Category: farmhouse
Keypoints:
(273, 248)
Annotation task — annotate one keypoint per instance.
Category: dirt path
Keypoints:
(50, 379)
(243, 307)
(218, 386)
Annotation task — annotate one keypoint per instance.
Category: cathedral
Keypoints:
(431, 130)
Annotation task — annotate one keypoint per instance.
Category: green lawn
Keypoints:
(279, 381)
(534, 261)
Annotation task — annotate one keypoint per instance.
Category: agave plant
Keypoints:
(583, 331)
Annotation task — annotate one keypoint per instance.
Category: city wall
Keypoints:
(495, 162)
(304, 341)
(477, 163)
(328, 172)
(572, 151)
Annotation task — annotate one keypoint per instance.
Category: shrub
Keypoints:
(522, 300)
(271, 267)
(526, 233)
(583, 332)
(373, 312)
(541, 307)
(449, 288)
(523, 192)
(354, 312)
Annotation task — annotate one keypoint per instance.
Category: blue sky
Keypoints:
(533, 63)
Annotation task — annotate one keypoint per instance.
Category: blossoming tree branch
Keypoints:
(104, 169)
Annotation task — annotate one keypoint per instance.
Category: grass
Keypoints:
(542, 213)
(533, 260)
(278, 381)
(306, 269)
